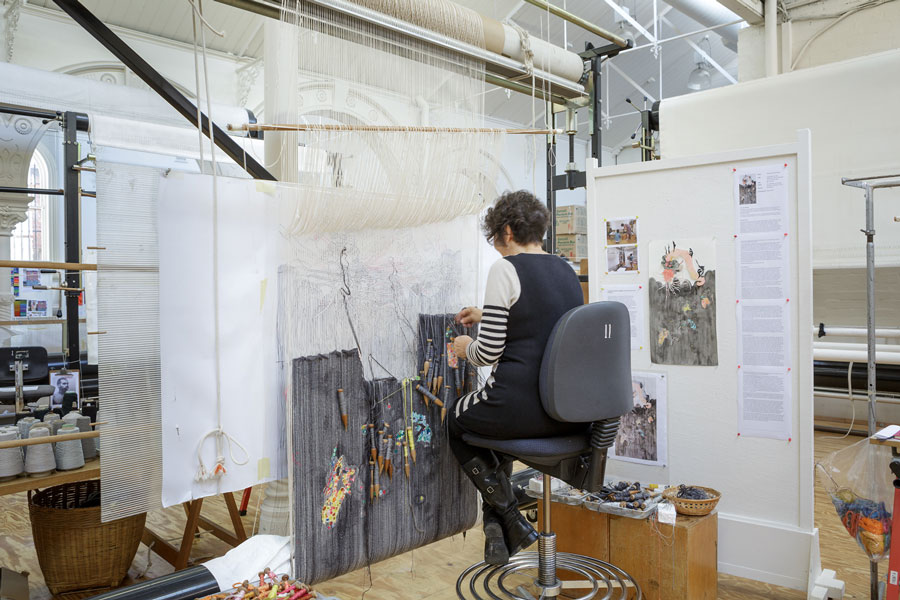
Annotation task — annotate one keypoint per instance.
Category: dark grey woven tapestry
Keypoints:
(374, 476)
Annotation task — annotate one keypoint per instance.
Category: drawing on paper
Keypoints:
(642, 432)
(622, 259)
(621, 231)
(683, 303)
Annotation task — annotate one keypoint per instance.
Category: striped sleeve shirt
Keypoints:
(501, 292)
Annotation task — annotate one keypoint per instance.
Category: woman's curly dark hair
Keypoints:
(527, 217)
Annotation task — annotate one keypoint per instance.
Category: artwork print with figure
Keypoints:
(683, 302)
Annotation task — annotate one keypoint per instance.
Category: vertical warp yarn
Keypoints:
(11, 460)
(437, 501)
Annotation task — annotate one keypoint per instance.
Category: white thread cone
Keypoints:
(88, 447)
(39, 458)
(11, 461)
(68, 454)
(24, 426)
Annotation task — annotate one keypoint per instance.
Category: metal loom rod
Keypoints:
(389, 128)
(575, 19)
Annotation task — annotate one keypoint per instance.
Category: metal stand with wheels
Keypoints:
(869, 185)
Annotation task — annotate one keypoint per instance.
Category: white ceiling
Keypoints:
(172, 19)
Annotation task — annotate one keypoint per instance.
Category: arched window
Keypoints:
(31, 239)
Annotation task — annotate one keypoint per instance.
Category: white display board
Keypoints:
(766, 529)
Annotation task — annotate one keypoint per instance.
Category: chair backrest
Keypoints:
(586, 369)
(36, 370)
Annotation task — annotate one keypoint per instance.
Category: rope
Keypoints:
(222, 438)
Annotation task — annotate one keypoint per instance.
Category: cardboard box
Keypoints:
(13, 586)
(572, 245)
(571, 219)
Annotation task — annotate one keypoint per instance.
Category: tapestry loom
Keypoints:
(373, 474)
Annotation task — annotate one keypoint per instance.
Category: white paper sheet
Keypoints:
(246, 253)
(762, 267)
(764, 403)
(760, 197)
(635, 441)
(763, 334)
(633, 299)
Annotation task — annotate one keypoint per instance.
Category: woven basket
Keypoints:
(75, 550)
(694, 508)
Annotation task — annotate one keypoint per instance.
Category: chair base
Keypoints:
(482, 581)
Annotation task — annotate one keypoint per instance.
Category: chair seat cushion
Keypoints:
(541, 450)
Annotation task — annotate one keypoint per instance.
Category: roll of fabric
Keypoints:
(39, 459)
(69, 454)
(12, 462)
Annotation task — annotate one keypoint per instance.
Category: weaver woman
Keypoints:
(527, 292)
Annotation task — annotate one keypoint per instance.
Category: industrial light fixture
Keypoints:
(700, 78)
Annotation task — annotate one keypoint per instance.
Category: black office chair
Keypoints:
(585, 378)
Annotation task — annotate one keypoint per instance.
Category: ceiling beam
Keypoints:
(749, 10)
(624, 14)
(634, 83)
(702, 53)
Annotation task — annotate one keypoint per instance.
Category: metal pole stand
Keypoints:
(532, 575)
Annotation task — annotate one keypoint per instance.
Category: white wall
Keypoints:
(49, 40)
(866, 32)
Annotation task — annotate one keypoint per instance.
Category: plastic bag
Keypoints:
(859, 480)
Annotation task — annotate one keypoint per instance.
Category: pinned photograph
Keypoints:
(622, 259)
(32, 277)
(621, 231)
(37, 308)
(747, 190)
(642, 435)
(62, 383)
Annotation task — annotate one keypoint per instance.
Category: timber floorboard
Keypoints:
(428, 573)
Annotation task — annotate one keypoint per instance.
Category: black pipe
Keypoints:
(159, 84)
(187, 584)
(25, 190)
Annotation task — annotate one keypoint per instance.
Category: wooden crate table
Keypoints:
(668, 562)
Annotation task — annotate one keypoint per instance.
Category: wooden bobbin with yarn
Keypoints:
(39, 459)
(69, 454)
(88, 446)
(12, 463)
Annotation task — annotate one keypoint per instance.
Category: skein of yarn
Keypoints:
(69, 454)
(39, 459)
(11, 460)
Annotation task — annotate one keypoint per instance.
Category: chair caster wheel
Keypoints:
(531, 515)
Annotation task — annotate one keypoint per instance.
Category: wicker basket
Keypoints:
(694, 508)
(75, 550)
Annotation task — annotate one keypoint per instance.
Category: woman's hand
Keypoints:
(469, 316)
(461, 342)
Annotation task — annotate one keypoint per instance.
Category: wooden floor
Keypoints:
(430, 572)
